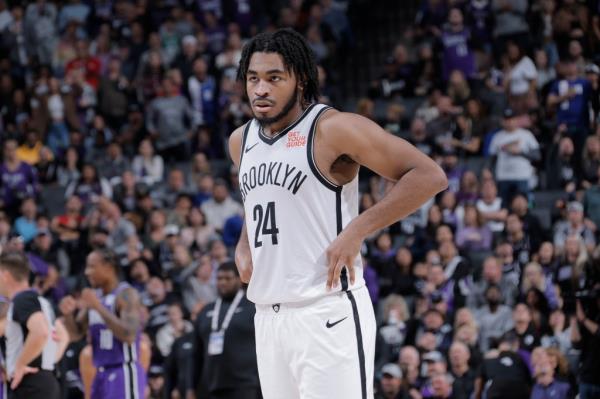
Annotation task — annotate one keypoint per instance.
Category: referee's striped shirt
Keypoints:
(23, 305)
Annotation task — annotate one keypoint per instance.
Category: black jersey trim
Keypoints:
(310, 150)
(270, 140)
(361, 349)
(244, 139)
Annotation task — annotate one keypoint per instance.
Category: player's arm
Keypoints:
(417, 178)
(126, 323)
(243, 257)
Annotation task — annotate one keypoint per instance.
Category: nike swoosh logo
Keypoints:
(329, 325)
(249, 148)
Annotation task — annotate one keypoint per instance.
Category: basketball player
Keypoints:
(112, 313)
(299, 250)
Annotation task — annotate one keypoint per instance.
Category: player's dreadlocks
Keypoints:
(296, 54)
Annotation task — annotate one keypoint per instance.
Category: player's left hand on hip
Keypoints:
(342, 252)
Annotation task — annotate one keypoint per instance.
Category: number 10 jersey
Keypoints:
(292, 212)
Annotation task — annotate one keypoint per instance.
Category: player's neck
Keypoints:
(273, 129)
(110, 286)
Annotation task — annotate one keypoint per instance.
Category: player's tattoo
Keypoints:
(129, 311)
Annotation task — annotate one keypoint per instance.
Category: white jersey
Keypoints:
(293, 212)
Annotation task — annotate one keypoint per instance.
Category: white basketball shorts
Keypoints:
(321, 349)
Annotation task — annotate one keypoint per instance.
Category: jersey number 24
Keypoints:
(265, 223)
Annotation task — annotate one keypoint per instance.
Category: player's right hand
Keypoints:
(243, 261)
(67, 305)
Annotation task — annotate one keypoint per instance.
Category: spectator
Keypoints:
(175, 328)
(504, 376)
(113, 164)
(562, 168)
(31, 148)
(89, 187)
(25, 225)
(170, 122)
(113, 95)
(472, 235)
(455, 40)
(40, 30)
(591, 201)
(570, 97)
(510, 22)
(515, 149)
(590, 162)
(546, 385)
(198, 233)
(492, 275)
(494, 318)
(574, 225)
(522, 77)
(201, 89)
(409, 361)
(584, 335)
(199, 289)
(464, 376)
(220, 207)
(490, 207)
(19, 180)
(391, 382)
(88, 64)
(532, 227)
(147, 166)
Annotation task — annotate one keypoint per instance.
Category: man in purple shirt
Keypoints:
(455, 42)
(18, 180)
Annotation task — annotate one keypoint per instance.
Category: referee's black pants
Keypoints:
(240, 393)
(41, 385)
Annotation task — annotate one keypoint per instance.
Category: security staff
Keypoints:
(226, 349)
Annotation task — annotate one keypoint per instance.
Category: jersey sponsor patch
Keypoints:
(295, 139)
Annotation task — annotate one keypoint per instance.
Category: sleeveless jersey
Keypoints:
(293, 212)
(107, 349)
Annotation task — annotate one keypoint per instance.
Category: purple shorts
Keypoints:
(127, 381)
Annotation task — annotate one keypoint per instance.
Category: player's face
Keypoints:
(272, 89)
(93, 269)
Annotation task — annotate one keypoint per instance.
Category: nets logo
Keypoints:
(295, 139)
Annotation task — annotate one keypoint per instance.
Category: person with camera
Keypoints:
(585, 335)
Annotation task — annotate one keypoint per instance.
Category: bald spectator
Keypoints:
(464, 376)
(409, 361)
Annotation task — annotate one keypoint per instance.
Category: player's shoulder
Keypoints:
(238, 133)
(334, 119)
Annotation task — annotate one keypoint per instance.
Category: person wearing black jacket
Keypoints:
(504, 376)
(225, 343)
(179, 367)
(585, 335)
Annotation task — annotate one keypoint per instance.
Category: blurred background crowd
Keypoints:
(114, 118)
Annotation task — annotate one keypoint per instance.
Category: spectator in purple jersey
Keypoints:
(18, 180)
(569, 98)
(455, 40)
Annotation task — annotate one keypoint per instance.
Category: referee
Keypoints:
(30, 350)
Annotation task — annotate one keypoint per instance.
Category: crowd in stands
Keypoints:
(124, 108)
